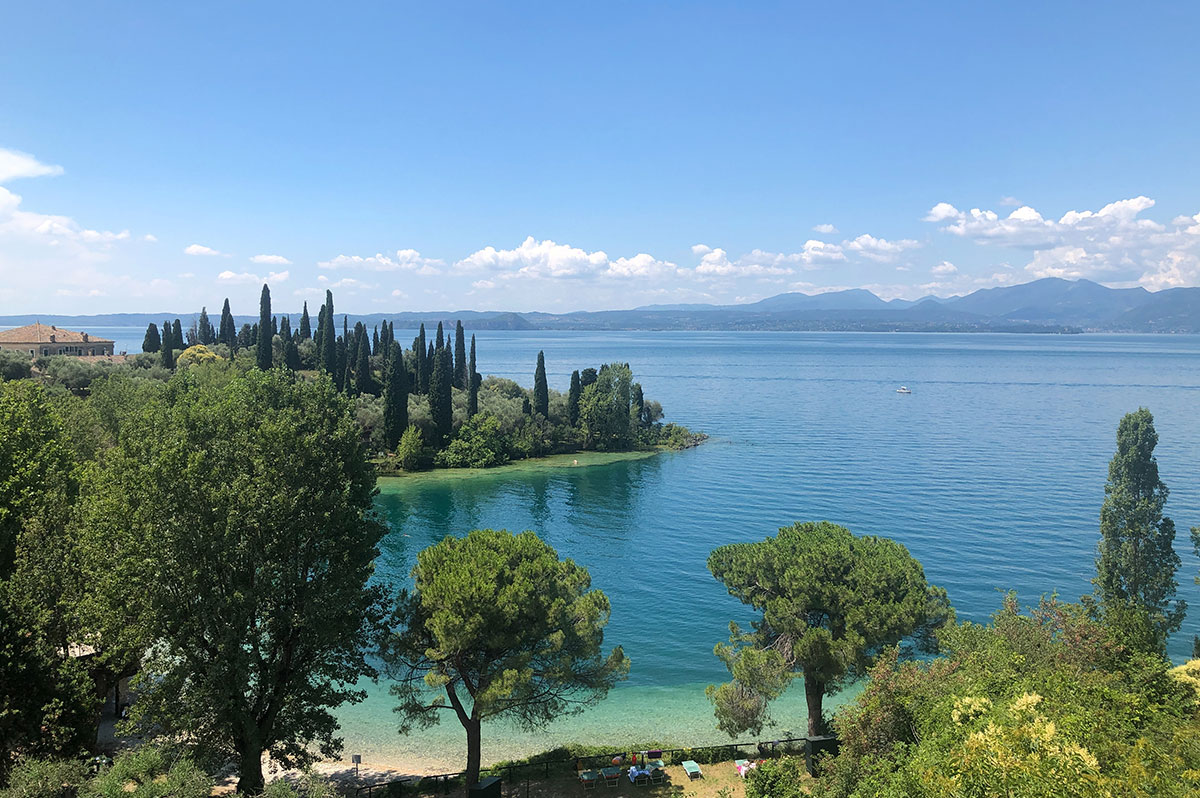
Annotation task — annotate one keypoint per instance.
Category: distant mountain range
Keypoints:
(1048, 305)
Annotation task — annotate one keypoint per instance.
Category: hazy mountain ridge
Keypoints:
(1047, 305)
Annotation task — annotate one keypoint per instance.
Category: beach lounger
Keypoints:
(612, 776)
(589, 779)
(692, 769)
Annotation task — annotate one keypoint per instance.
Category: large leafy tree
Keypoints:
(604, 409)
(497, 626)
(828, 601)
(1135, 572)
(239, 524)
(46, 698)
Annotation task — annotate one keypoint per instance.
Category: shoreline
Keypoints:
(550, 462)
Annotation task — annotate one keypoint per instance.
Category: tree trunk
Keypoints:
(250, 773)
(473, 751)
(814, 693)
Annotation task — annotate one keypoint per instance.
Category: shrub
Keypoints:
(14, 365)
(46, 778)
(478, 444)
(411, 451)
(778, 778)
(151, 772)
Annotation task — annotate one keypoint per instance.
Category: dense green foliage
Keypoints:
(778, 778)
(497, 626)
(263, 350)
(1039, 704)
(828, 601)
(1135, 572)
(229, 486)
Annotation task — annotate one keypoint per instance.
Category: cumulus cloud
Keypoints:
(827, 229)
(246, 278)
(544, 260)
(15, 164)
(271, 260)
(880, 249)
(943, 268)
(1115, 243)
(408, 260)
(756, 263)
(200, 249)
(149, 238)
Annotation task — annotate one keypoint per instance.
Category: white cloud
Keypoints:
(271, 260)
(761, 263)
(1115, 244)
(943, 268)
(200, 249)
(408, 260)
(880, 249)
(1010, 201)
(246, 278)
(149, 238)
(827, 229)
(548, 260)
(15, 164)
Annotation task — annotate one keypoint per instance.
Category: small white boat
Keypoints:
(903, 389)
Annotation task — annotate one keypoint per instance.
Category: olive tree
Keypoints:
(497, 626)
(828, 601)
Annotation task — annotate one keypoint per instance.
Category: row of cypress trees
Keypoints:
(432, 369)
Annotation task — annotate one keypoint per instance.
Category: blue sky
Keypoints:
(558, 156)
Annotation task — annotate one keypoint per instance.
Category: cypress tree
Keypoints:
(153, 341)
(441, 338)
(1135, 572)
(227, 334)
(204, 331)
(526, 408)
(305, 324)
(440, 406)
(587, 377)
(265, 329)
(341, 365)
(177, 334)
(423, 364)
(375, 340)
(473, 383)
(291, 354)
(285, 328)
(573, 399)
(168, 349)
(541, 392)
(395, 398)
(362, 369)
(328, 343)
(461, 375)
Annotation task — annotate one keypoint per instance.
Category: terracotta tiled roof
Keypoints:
(38, 333)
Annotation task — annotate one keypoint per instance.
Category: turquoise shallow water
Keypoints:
(991, 472)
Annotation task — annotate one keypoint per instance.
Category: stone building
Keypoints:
(38, 340)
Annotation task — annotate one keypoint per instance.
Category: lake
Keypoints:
(991, 472)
